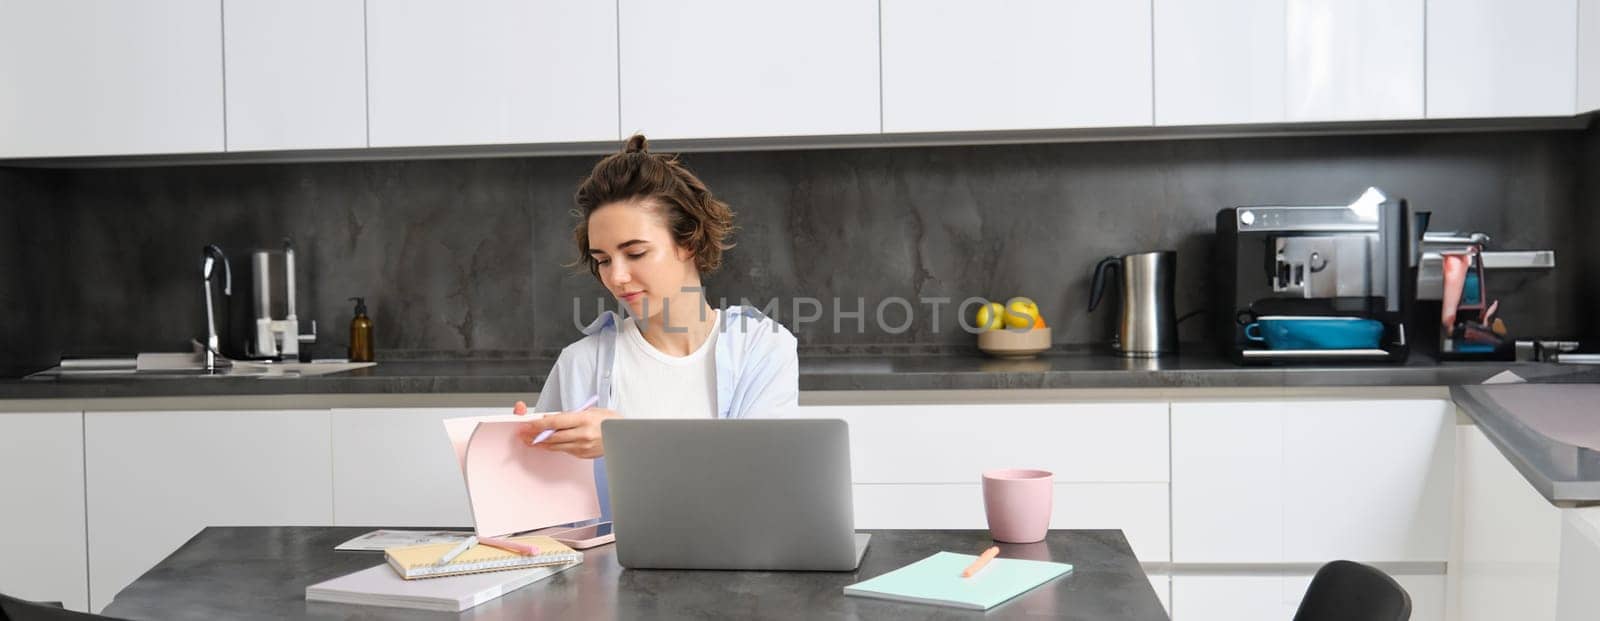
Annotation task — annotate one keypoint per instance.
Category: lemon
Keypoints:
(991, 316)
(1021, 313)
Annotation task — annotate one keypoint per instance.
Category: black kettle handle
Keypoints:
(1098, 287)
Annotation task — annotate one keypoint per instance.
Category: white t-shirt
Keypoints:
(651, 384)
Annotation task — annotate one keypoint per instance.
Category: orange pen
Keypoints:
(983, 559)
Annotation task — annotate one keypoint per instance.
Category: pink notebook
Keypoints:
(513, 487)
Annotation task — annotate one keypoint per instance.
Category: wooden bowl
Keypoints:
(1014, 343)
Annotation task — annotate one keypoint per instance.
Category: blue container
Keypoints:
(1289, 332)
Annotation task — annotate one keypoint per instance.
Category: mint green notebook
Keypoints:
(937, 580)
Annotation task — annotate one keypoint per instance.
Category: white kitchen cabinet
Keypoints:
(728, 68)
(1312, 481)
(953, 65)
(296, 74)
(1079, 442)
(41, 527)
(1501, 58)
(154, 479)
(1588, 56)
(1227, 481)
(1368, 481)
(1271, 596)
(1577, 598)
(1352, 60)
(394, 467)
(1510, 538)
(1230, 598)
(1219, 62)
(1138, 509)
(107, 77)
(491, 72)
(918, 466)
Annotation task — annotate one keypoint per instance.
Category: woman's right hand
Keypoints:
(574, 433)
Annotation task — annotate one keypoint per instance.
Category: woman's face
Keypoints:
(638, 260)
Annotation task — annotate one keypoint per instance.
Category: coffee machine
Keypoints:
(1351, 264)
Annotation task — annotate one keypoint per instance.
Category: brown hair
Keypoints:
(698, 221)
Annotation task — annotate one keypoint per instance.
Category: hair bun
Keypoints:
(636, 144)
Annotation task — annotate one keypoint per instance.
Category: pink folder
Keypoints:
(513, 487)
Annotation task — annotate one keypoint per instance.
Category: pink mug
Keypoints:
(1018, 503)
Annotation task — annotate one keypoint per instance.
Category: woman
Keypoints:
(649, 229)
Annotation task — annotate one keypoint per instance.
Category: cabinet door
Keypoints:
(1510, 538)
(729, 68)
(154, 479)
(296, 74)
(1497, 58)
(107, 77)
(1354, 60)
(1312, 481)
(954, 65)
(1275, 597)
(41, 527)
(1588, 56)
(917, 466)
(491, 71)
(1080, 442)
(1369, 481)
(1219, 62)
(1139, 510)
(394, 467)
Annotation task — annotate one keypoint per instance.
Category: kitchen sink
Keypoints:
(165, 366)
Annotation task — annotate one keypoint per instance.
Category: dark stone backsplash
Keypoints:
(463, 258)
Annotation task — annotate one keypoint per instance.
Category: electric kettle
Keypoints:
(1148, 325)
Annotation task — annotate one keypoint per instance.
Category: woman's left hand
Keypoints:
(576, 433)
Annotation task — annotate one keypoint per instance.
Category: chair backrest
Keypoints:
(13, 609)
(1350, 591)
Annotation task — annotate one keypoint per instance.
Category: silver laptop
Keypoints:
(732, 494)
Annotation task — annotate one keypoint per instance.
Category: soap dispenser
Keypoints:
(360, 333)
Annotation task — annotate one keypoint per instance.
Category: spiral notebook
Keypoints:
(421, 561)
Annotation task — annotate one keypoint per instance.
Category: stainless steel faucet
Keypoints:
(210, 255)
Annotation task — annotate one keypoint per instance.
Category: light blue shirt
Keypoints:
(758, 373)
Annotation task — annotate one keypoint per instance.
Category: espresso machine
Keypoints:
(1332, 269)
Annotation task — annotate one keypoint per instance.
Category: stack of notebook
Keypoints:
(413, 577)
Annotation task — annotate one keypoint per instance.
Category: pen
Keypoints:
(456, 551)
(543, 435)
(509, 546)
(983, 559)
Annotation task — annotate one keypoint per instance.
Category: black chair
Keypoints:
(13, 609)
(1349, 591)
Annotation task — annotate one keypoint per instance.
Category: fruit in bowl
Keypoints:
(1019, 332)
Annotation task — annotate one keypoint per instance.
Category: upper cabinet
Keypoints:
(730, 68)
(1354, 60)
(296, 74)
(104, 77)
(491, 71)
(1501, 58)
(957, 65)
(1219, 62)
(1588, 55)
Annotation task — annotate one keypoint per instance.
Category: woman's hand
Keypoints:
(576, 433)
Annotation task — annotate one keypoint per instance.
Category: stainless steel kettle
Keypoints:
(1148, 326)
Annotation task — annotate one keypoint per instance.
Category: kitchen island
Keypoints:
(1231, 483)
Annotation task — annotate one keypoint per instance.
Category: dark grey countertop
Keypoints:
(1548, 430)
(262, 572)
(820, 372)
